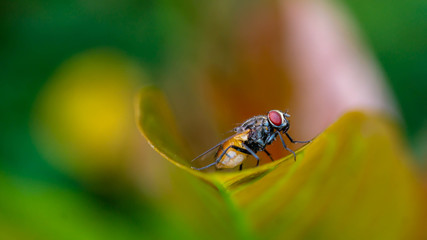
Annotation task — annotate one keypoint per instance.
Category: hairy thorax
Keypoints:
(260, 130)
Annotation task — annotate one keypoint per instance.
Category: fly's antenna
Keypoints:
(287, 114)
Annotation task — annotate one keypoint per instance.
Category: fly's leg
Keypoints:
(252, 153)
(247, 150)
(226, 153)
(265, 150)
(217, 160)
(213, 148)
(271, 137)
(293, 141)
(284, 145)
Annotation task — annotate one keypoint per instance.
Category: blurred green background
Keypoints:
(37, 37)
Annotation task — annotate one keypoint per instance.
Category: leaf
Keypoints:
(157, 123)
(354, 181)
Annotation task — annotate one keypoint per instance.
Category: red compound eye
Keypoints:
(275, 118)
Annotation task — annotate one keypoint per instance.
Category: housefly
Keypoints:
(253, 136)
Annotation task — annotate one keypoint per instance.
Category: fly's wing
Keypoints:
(208, 158)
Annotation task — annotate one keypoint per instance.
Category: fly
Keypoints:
(251, 137)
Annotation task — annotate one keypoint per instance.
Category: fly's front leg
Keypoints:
(293, 141)
(284, 145)
(271, 137)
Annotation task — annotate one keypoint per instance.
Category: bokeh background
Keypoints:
(70, 71)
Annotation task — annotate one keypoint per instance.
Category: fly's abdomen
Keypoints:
(232, 157)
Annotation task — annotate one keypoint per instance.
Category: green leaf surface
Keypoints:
(354, 181)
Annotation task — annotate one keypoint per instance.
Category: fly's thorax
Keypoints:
(254, 122)
(260, 137)
(258, 130)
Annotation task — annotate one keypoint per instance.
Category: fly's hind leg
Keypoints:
(216, 161)
(252, 153)
(247, 150)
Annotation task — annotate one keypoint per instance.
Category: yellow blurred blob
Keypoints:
(84, 120)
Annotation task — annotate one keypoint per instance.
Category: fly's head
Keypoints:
(278, 120)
